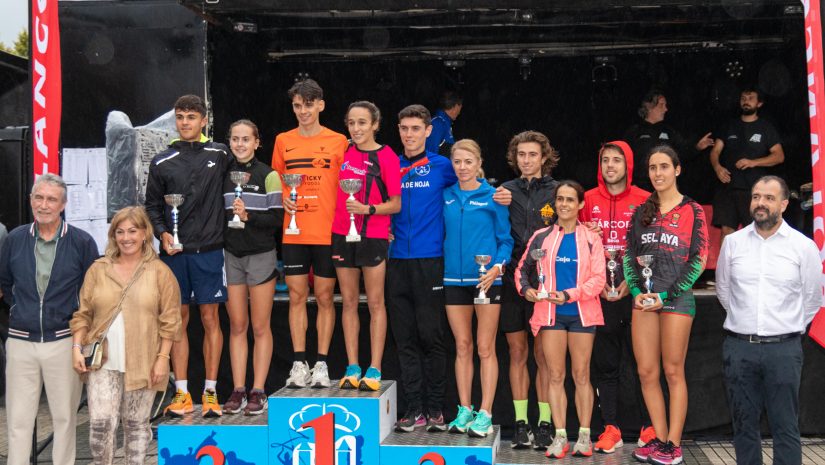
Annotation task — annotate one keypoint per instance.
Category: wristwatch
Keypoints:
(372, 209)
(566, 296)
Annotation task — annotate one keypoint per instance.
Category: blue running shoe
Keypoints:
(351, 377)
(371, 380)
(463, 420)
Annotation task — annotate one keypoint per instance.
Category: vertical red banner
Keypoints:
(816, 95)
(47, 91)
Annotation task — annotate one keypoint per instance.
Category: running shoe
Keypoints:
(209, 404)
(257, 403)
(181, 404)
(320, 376)
(463, 420)
(482, 425)
(646, 434)
(558, 449)
(522, 436)
(543, 437)
(371, 380)
(435, 422)
(236, 402)
(351, 377)
(609, 440)
(643, 453)
(667, 454)
(299, 375)
(583, 446)
(410, 421)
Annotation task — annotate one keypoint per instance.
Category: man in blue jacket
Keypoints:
(441, 139)
(42, 265)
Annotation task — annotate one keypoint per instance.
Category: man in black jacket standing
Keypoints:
(195, 167)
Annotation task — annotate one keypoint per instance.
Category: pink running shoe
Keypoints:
(642, 453)
(667, 454)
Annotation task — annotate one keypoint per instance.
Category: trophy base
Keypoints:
(236, 224)
(355, 238)
(648, 302)
(480, 301)
(292, 232)
(613, 293)
(176, 247)
(542, 295)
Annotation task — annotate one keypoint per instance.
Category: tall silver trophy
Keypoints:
(239, 178)
(612, 253)
(174, 201)
(293, 181)
(538, 255)
(645, 261)
(482, 261)
(351, 187)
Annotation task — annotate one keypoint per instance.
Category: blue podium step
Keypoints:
(443, 448)
(230, 439)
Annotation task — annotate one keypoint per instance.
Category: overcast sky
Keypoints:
(14, 16)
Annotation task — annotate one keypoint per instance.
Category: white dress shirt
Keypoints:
(769, 286)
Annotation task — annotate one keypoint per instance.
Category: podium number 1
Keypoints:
(324, 427)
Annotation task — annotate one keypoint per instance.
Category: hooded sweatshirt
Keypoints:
(613, 212)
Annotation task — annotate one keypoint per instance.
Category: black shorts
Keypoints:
(516, 311)
(731, 208)
(366, 252)
(464, 295)
(299, 258)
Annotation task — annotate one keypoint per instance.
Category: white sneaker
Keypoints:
(299, 375)
(320, 376)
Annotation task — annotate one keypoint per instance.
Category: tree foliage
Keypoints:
(20, 47)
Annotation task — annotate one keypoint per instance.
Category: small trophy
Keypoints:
(538, 255)
(239, 178)
(612, 253)
(293, 181)
(174, 201)
(482, 260)
(645, 261)
(351, 186)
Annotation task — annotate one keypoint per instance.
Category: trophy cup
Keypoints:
(174, 201)
(645, 261)
(351, 186)
(612, 253)
(538, 255)
(293, 181)
(482, 260)
(239, 178)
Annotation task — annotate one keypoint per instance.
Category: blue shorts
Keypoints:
(571, 324)
(200, 276)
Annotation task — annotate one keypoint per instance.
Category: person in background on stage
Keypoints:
(533, 194)
(415, 275)
(768, 280)
(652, 130)
(132, 300)
(566, 319)
(670, 228)
(317, 153)
(251, 260)
(441, 138)
(744, 152)
(378, 168)
(194, 166)
(42, 265)
(611, 204)
(475, 225)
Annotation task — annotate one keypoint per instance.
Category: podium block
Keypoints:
(234, 439)
(344, 426)
(424, 448)
(508, 456)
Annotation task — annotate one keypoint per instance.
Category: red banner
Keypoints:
(816, 95)
(46, 86)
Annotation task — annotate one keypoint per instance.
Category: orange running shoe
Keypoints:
(211, 407)
(609, 440)
(181, 404)
(646, 435)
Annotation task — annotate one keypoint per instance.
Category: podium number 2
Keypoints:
(324, 427)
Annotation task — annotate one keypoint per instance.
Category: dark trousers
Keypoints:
(764, 376)
(418, 320)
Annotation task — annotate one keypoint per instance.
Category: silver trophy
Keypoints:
(293, 181)
(239, 178)
(612, 253)
(482, 260)
(645, 261)
(351, 186)
(174, 201)
(538, 255)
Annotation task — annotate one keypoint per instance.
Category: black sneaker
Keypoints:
(522, 436)
(543, 437)
(435, 422)
(410, 421)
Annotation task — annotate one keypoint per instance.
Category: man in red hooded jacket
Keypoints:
(611, 204)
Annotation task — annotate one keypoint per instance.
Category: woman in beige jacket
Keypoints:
(138, 340)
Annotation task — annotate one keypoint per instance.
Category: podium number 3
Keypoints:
(324, 427)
